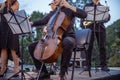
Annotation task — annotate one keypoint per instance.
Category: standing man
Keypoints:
(99, 32)
(68, 38)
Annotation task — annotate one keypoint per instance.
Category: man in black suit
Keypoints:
(100, 34)
(68, 38)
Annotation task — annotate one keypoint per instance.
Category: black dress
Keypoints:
(7, 39)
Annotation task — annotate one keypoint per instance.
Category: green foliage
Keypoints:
(114, 60)
(113, 43)
(36, 15)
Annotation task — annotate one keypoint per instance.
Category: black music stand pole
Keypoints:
(94, 22)
(39, 73)
(22, 33)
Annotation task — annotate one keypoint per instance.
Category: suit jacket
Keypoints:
(70, 30)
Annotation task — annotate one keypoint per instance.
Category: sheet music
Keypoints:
(18, 24)
(102, 13)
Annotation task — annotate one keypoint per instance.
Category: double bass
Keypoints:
(49, 46)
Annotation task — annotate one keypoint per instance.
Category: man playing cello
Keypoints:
(68, 38)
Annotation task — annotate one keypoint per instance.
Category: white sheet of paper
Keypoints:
(102, 13)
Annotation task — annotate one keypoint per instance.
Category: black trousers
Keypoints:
(101, 41)
(36, 62)
(67, 44)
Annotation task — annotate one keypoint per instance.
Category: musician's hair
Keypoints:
(9, 3)
(13, 1)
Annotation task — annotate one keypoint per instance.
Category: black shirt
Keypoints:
(70, 30)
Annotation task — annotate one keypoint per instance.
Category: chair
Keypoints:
(82, 43)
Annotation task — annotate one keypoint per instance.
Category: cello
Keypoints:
(49, 46)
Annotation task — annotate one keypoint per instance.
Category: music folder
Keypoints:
(18, 22)
(102, 13)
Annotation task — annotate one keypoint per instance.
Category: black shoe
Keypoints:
(51, 72)
(105, 68)
(44, 75)
(63, 77)
(2, 75)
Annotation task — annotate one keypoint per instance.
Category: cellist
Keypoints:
(68, 38)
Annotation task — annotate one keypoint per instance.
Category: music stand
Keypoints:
(19, 24)
(97, 14)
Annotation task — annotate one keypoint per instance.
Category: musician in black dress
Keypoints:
(100, 35)
(8, 41)
(68, 38)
